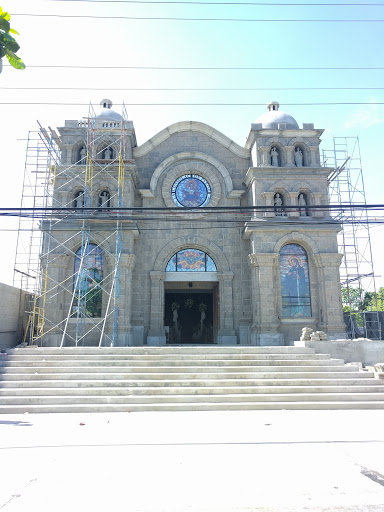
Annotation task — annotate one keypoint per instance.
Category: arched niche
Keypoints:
(200, 161)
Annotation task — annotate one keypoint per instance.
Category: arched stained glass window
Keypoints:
(191, 260)
(88, 277)
(294, 275)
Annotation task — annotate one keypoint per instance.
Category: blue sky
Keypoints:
(114, 42)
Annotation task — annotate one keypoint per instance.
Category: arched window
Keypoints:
(294, 275)
(79, 199)
(88, 277)
(104, 199)
(191, 260)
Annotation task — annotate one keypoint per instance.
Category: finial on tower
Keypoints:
(106, 104)
(273, 105)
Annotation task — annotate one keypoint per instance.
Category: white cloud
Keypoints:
(366, 116)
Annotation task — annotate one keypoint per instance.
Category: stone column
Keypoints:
(330, 314)
(265, 157)
(127, 264)
(293, 201)
(289, 156)
(266, 324)
(268, 196)
(226, 334)
(156, 334)
(57, 298)
(317, 201)
(314, 156)
(66, 156)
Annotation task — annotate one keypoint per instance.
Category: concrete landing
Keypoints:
(265, 461)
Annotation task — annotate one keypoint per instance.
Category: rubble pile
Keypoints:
(308, 334)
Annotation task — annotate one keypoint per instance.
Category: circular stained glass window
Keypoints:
(191, 191)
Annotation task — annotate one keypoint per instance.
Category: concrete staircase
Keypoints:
(170, 378)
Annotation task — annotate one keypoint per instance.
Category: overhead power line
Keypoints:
(257, 4)
(193, 88)
(208, 68)
(342, 207)
(172, 18)
(312, 104)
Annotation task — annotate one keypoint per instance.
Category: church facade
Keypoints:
(254, 262)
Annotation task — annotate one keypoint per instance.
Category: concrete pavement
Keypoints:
(275, 461)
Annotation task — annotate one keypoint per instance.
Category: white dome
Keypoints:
(106, 113)
(271, 119)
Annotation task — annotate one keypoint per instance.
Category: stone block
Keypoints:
(156, 341)
(268, 339)
(138, 335)
(227, 340)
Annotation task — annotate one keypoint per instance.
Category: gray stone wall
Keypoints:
(246, 253)
(11, 315)
(192, 142)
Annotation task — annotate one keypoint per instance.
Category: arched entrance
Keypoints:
(191, 298)
(208, 277)
(191, 313)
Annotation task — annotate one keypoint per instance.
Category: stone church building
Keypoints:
(221, 275)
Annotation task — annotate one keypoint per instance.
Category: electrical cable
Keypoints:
(194, 104)
(169, 18)
(194, 88)
(257, 4)
(206, 68)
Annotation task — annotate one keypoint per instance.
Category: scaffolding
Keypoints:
(346, 189)
(46, 236)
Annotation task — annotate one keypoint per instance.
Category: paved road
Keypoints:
(275, 461)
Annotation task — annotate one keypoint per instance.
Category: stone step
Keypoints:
(180, 398)
(183, 350)
(286, 373)
(167, 365)
(184, 390)
(16, 360)
(181, 378)
(214, 406)
(327, 365)
(187, 383)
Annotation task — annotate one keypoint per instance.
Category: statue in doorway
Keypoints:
(78, 201)
(274, 157)
(83, 156)
(175, 306)
(302, 205)
(108, 154)
(298, 157)
(104, 199)
(278, 202)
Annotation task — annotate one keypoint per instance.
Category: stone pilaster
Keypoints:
(268, 197)
(314, 156)
(55, 300)
(265, 159)
(266, 325)
(294, 212)
(127, 264)
(330, 315)
(226, 332)
(156, 335)
(289, 156)
(317, 201)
